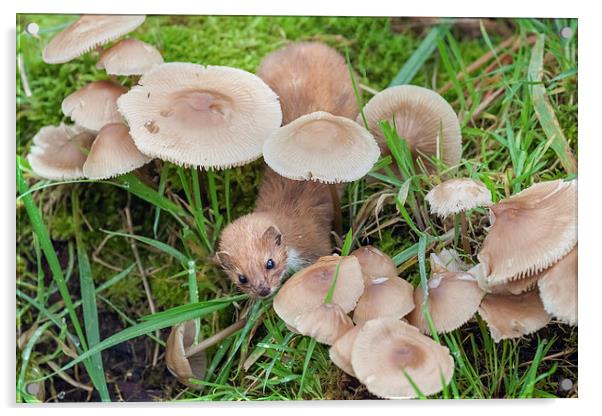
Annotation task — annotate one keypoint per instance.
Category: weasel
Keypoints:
(292, 220)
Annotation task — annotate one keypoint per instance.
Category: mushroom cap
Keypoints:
(512, 316)
(374, 263)
(182, 367)
(386, 348)
(326, 323)
(129, 57)
(457, 195)
(558, 288)
(530, 231)
(307, 289)
(113, 153)
(94, 105)
(421, 117)
(86, 33)
(321, 147)
(447, 260)
(213, 117)
(384, 297)
(59, 152)
(340, 352)
(511, 287)
(453, 298)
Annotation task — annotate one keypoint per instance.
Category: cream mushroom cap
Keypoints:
(213, 117)
(453, 298)
(113, 153)
(340, 351)
(530, 231)
(86, 33)
(457, 195)
(384, 297)
(321, 147)
(374, 263)
(420, 116)
(512, 316)
(129, 57)
(326, 323)
(182, 367)
(94, 105)
(558, 288)
(59, 152)
(385, 350)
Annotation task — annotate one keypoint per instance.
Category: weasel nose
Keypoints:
(264, 291)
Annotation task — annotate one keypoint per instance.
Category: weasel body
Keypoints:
(291, 223)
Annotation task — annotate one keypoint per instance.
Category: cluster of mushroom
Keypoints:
(377, 346)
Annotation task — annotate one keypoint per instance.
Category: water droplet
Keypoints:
(32, 29)
(566, 384)
(60, 395)
(566, 32)
(151, 127)
(167, 112)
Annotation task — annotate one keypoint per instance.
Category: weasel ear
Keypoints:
(224, 259)
(273, 234)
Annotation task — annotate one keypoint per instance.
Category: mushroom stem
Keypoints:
(464, 232)
(336, 205)
(214, 339)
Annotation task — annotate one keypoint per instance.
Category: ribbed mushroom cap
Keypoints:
(453, 298)
(340, 352)
(513, 287)
(59, 152)
(374, 263)
(182, 367)
(530, 231)
(94, 105)
(421, 116)
(85, 34)
(113, 153)
(512, 316)
(457, 195)
(447, 260)
(306, 290)
(129, 57)
(326, 323)
(385, 350)
(213, 117)
(384, 297)
(321, 147)
(558, 288)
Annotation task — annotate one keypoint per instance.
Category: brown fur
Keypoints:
(290, 216)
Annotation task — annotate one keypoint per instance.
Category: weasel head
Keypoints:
(253, 253)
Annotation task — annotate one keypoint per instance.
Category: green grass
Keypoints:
(74, 255)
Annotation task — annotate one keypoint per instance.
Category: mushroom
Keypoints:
(512, 316)
(384, 297)
(326, 323)
(530, 231)
(87, 33)
(374, 263)
(340, 351)
(447, 260)
(421, 117)
(453, 298)
(212, 117)
(558, 288)
(113, 153)
(94, 105)
(59, 152)
(129, 57)
(184, 367)
(387, 353)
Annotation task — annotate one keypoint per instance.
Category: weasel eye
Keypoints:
(270, 264)
(242, 279)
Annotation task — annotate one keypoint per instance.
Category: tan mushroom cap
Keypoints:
(86, 33)
(558, 288)
(59, 152)
(94, 105)
(453, 298)
(513, 287)
(447, 260)
(113, 153)
(182, 367)
(306, 290)
(321, 147)
(419, 116)
(457, 195)
(326, 323)
(340, 352)
(213, 117)
(384, 297)
(374, 263)
(512, 316)
(530, 231)
(385, 350)
(129, 57)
